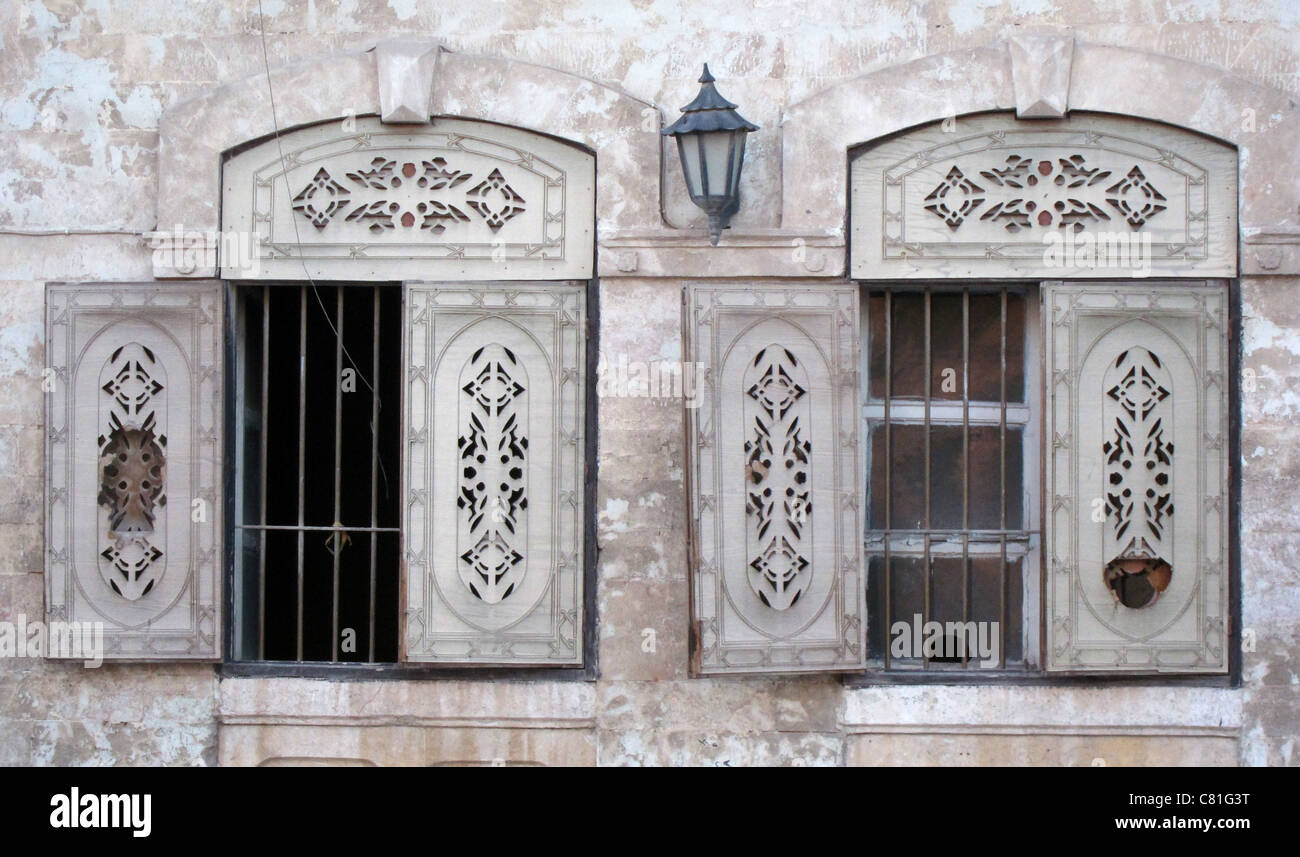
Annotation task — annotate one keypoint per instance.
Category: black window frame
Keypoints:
(876, 677)
(231, 667)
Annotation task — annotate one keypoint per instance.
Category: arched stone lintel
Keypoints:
(194, 134)
(1262, 122)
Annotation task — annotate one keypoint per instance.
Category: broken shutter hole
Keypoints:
(1137, 582)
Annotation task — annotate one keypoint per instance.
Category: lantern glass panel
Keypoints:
(689, 147)
(737, 161)
(717, 161)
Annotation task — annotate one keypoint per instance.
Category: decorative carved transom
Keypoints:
(393, 194)
(495, 201)
(992, 196)
(1061, 193)
(321, 199)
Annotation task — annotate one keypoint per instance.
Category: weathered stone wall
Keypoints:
(82, 86)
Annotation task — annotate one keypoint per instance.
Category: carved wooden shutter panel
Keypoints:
(1137, 469)
(494, 474)
(133, 466)
(778, 579)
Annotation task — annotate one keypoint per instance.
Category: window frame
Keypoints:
(874, 676)
(962, 412)
(230, 667)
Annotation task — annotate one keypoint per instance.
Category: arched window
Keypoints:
(1031, 368)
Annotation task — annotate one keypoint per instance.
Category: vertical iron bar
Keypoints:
(1002, 650)
(889, 452)
(337, 535)
(1002, 451)
(374, 467)
(929, 377)
(261, 550)
(302, 445)
(965, 462)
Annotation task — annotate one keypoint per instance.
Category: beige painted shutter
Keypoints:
(775, 487)
(1137, 476)
(133, 468)
(494, 474)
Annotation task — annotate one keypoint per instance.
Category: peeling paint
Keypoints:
(84, 86)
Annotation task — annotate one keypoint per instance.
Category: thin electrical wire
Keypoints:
(279, 145)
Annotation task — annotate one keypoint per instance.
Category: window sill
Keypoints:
(403, 672)
(1026, 678)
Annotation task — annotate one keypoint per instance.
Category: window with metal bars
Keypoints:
(952, 531)
(317, 443)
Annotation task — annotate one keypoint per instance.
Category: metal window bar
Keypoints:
(1008, 542)
(965, 461)
(929, 392)
(889, 451)
(301, 528)
(1002, 451)
(302, 451)
(374, 473)
(261, 536)
(337, 545)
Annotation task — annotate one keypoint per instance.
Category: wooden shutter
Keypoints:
(133, 466)
(1137, 475)
(775, 487)
(494, 474)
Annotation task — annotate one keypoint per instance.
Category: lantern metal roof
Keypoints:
(709, 112)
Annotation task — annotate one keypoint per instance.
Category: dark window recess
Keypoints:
(317, 518)
(947, 417)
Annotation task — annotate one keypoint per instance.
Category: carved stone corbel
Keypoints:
(1040, 74)
(406, 69)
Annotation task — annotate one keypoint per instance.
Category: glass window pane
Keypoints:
(907, 477)
(947, 469)
(986, 347)
(986, 478)
(907, 593)
(907, 341)
(876, 345)
(987, 592)
(946, 367)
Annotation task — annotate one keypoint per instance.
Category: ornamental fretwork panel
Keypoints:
(1088, 196)
(776, 548)
(132, 462)
(777, 466)
(493, 450)
(494, 474)
(1137, 523)
(364, 200)
(133, 466)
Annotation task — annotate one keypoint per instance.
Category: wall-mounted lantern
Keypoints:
(711, 141)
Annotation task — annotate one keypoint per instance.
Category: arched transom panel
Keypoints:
(1087, 196)
(359, 200)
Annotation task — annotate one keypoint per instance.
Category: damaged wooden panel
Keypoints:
(494, 474)
(774, 490)
(133, 466)
(1137, 471)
